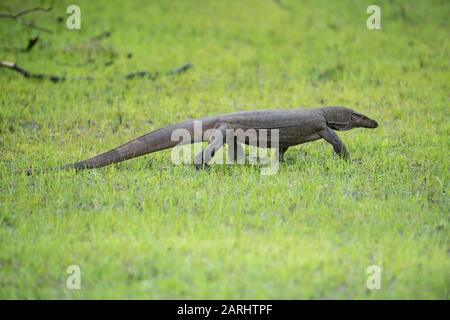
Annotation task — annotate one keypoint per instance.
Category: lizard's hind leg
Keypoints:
(281, 151)
(236, 152)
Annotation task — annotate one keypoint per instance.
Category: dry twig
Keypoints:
(28, 24)
(27, 74)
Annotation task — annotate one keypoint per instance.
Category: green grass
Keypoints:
(147, 228)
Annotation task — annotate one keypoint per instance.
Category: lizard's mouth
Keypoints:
(363, 121)
(371, 124)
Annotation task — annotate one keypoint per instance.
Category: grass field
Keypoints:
(147, 228)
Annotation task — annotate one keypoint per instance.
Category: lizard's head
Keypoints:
(342, 119)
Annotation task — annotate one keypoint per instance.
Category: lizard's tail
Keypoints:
(151, 142)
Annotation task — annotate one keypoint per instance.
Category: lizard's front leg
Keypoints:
(332, 138)
(216, 140)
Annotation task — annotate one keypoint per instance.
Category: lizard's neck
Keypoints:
(338, 118)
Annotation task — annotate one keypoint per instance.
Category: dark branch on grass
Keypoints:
(28, 24)
(141, 74)
(31, 43)
(24, 12)
(153, 75)
(27, 74)
(101, 36)
(181, 69)
(138, 74)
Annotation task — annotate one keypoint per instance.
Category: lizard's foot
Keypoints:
(257, 160)
(201, 166)
(198, 161)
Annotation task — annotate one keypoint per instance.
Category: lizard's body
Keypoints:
(296, 126)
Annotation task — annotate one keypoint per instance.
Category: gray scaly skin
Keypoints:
(296, 126)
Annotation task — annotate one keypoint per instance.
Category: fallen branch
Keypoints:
(31, 43)
(27, 74)
(154, 75)
(138, 74)
(28, 24)
(180, 69)
(141, 74)
(24, 12)
(101, 36)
